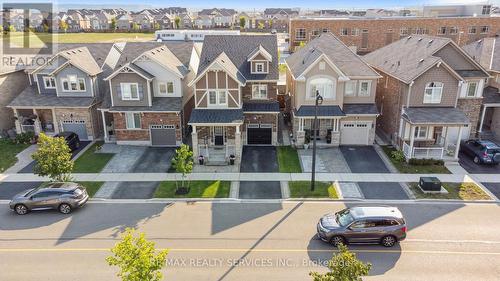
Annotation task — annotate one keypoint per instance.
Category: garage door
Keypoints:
(356, 133)
(77, 127)
(163, 135)
(260, 134)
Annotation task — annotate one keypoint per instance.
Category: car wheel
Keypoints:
(65, 208)
(476, 160)
(21, 209)
(337, 240)
(388, 241)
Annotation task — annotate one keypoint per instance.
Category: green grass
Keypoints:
(459, 191)
(40, 39)
(8, 152)
(90, 161)
(406, 168)
(91, 186)
(302, 189)
(197, 189)
(288, 160)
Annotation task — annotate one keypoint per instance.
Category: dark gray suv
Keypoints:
(60, 196)
(381, 225)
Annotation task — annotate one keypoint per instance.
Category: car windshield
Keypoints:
(493, 151)
(344, 218)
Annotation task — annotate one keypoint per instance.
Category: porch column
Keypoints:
(237, 142)
(194, 140)
(482, 120)
(412, 139)
(459, 138)
(17, 122)
(54, 121)
(445, 129)
(300, 137)
(104, 126)
(37, 123)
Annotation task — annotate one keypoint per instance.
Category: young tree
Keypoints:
(12, 28)
(344, 266)
(137, 258)
(183, 161)
(63, 25)
(135, 26)
(243, 22)
(157, 25)
(177, 22)
(53, 158)
(113, 24)
(270, 23)
(261, 25)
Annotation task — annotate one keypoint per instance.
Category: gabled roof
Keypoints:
(225, 63)
(167, 59)
(486, 52)
(224, 12)
(30, 98)
(82, 59)
(134, 68)
(237, 48)
(260, 50)
(329, 46)
(409, 57)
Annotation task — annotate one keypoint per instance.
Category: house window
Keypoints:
(433, 92)
(324, 86)
(259, 67)
(486, 10)
(300, 34)
(453, 30)
(259, 91)
(442, 30)
(472, 30)
(485, 29)
(49, 82)
(315, 33)
(403, 31)
(216, 98)
(166, 88)
(364, 88)
(344, 32)
(133, 120)
(471, 89)
(325, 30)
(421, 132)
(350, 88)
(130, 91)
(72, 83)
(355, 31)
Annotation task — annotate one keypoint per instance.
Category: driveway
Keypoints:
(260, 190)
(466, 162)
(155, 160)
(30, 167)
(328, 160)
(493, 188)
(363, 159)
(9, 189)
(382, 190)
(135, 190)
(259, 159)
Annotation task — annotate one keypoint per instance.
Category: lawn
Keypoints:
(92, 162)
(302, 189)
(197, 189)
(39, 39)
(8, 152)
(459, 191)
(406, 168)
(91, 186)
(288, 160)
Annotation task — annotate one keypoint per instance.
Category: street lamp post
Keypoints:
(318, 101)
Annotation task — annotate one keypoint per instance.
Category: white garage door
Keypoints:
(163, 135)
(356, 133)
(77, 127)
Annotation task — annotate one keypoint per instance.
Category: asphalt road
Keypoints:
(271, 241)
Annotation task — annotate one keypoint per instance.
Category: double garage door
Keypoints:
(77, 127)
(260, 134)
(163, 135)
(355, 133)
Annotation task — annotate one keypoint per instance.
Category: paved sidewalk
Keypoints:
(23, 159)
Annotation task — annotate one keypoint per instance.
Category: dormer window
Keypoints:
(72, 83)
(49, 82)
(259, 67)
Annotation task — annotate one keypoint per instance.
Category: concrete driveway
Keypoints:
(135, 190)
(466, 162)
(9, 189)
(493, 188)
(260, 190)
(259, 159)
(155, 160)
(382, 190)
(363, 159)
(29, 168)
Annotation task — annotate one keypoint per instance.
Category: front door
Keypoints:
(219, 135)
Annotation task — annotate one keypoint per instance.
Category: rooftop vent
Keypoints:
(408, 38)
(430, 41)
(419, 39)
(421, 61)
(399, 63)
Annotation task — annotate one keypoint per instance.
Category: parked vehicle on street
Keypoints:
(482, 151)
(371, 225)
(64, 197)
(71, 139)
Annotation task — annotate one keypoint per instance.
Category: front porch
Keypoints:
(217, 144)
(35, 120)
(327, 135)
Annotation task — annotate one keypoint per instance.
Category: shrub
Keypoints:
(426, 162)
(25, 138)
(398, 155)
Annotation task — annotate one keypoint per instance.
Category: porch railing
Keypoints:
(407, 150)
(423, 152)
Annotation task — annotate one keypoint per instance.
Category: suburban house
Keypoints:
(235, 96)
(347, 115)
(124, 21)
(218, 17)
(487, 52)
(63, 94)
(280, 13)
(11, 84)
(148, 94)
(430, 95)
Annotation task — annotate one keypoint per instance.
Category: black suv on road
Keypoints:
(481, 151)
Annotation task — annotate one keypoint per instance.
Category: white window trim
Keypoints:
(45, 78)
(129, 98)
(475, 91)
(257, 63)
(368, 89)
(431, 101)
(217, 98)
(297, 31)
(259, 86)
(78, 79)
(309, 87)
(127, 125)
(355, 84)
(166, 93)
(418, 130)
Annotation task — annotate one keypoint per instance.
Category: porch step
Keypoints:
(217, 163)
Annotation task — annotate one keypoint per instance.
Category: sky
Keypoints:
(250, 5)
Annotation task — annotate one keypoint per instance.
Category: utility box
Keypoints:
(430, 184)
